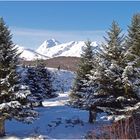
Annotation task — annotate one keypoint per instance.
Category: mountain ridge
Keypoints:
(52, 48)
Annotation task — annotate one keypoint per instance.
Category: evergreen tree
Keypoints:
(39, 82)
(45, 78)
(84, 67)
(107, 78)
(14, 102)
(81, 89)
(110, 92)
(131, 74)
(32, 81)
(111, 65)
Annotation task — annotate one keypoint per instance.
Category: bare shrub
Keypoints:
(128, 128)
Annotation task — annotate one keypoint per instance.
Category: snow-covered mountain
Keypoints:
(47, 44)
(28, 54)
(73, 48)
(52, 48)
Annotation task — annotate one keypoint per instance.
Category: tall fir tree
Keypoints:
(84, 67)
(14, 102)
(81, 88)
(107, 77)
(110, 93)
(111, 62)
(131, 74)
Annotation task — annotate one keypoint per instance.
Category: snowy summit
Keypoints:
(52, 48)
(72, 48)
(48, 44)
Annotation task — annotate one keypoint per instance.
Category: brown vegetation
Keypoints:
(128, 128)
(66, 63)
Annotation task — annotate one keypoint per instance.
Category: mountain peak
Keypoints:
(50, 43)
(52, 48)
(72, 48)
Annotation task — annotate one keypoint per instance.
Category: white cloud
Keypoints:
(32, 38)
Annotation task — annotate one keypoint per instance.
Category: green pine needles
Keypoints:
(110, 81)
(14, 102)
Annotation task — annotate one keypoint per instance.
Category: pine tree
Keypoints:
(14, 102)
(45, 78)
(81, 89)
(111, 65)
(107, 78)
(32, 81)
(131, 74)
(111, 94)
(39, 82)
(84, 67)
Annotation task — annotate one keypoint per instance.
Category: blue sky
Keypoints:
(33, 22)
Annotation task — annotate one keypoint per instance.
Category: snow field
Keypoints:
(56, 119)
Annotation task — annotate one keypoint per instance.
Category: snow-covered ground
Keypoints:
(56, 119)
(62, 80)
(28, 54)
(61, 100)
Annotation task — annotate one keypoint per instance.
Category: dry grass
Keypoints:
(122, 129)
